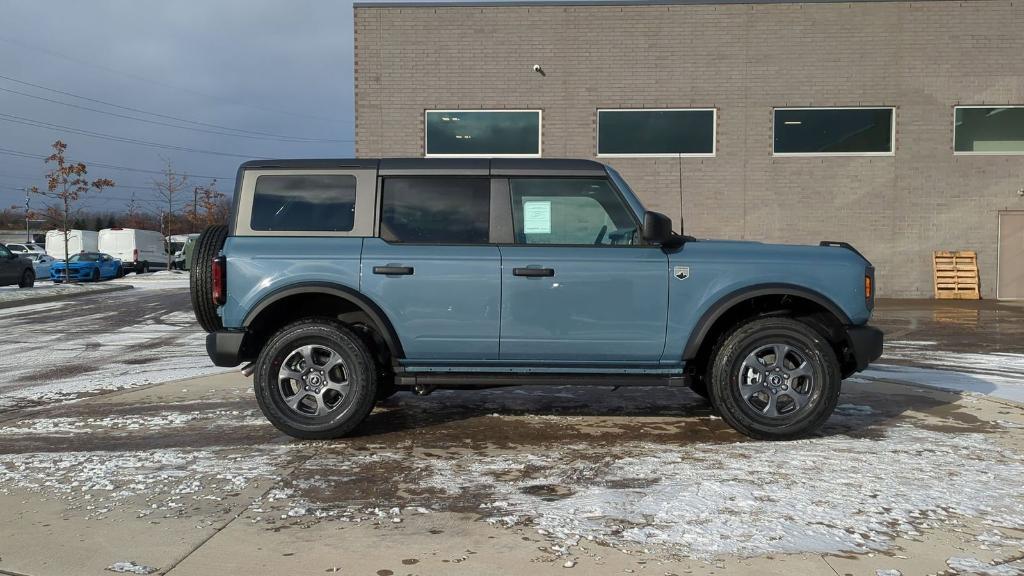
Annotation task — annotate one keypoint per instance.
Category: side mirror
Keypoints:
(657, 228)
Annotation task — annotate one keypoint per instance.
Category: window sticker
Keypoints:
(537, 217)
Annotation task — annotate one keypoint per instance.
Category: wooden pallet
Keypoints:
(956, 275)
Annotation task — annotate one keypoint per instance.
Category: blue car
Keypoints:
(92, 266)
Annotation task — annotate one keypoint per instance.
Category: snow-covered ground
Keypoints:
(62, 350)
(999, 374)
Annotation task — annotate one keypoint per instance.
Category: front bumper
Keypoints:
(225, 348)
(865, 345)
(73, 273)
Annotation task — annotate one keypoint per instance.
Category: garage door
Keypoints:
(1010, 285)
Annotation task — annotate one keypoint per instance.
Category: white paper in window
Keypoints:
(537, 217)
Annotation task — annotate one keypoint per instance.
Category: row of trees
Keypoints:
(175, 206)
(172, 211)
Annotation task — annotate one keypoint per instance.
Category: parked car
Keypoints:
(93, 266)
(139, 250)
(183, 245)
(78, 241)
(342, 281)
(15, 269)
(41, 263)
(26, 248)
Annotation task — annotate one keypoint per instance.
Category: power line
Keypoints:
(40, 157)
(164, 84)
(61, 128)
(253, 134)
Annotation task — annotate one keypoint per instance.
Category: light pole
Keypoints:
(195, 208)
(28, 231)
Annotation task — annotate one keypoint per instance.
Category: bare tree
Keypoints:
(168, 186)
(209, 206)
(66, 184)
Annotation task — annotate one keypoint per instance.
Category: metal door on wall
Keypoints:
(1010, 272)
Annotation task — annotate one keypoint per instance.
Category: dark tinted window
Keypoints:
(656, 132)
(989, 130)
(317, 203)
(84, 257)
(476, 133)
(833, 131)
(4, 252)
(436, 210)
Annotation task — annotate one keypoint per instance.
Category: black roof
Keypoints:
(444, 166)
(502, 4)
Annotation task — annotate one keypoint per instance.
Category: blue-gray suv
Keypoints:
(340, 282)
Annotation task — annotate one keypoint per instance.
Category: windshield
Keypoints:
(84, 258)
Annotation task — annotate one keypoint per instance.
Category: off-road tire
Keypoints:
(359, 369)
(28, 279)
(724, 373)
(201, 278)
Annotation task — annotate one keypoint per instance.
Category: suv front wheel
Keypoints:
(315, 379)
(775, 379)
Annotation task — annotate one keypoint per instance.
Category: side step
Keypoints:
(489, 379)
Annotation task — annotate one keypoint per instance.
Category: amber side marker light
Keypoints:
(867, 287)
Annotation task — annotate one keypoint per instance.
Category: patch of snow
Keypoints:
(127, 567)
(821, 495)
(976, 567)
(158, 480)
(65, 426)
(1008, 384)
(890, 572)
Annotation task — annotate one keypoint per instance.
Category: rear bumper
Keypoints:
(865, 345)
(225, 348)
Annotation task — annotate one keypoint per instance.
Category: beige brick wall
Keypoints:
(743, 59)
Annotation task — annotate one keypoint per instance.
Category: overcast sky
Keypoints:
(281, 71)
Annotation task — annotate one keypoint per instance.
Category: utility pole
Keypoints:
(195, 208)
(28, 231)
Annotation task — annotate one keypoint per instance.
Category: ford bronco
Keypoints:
(340, 282)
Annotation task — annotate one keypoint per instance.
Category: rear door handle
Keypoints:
(533, 272)
(393, 270)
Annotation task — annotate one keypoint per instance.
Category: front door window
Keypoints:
(570, 212)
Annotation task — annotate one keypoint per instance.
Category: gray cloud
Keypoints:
(281, 67)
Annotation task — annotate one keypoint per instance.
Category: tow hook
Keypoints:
(423, 389)
(248, 369)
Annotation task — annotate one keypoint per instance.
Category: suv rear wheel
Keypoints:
(315, 379)
(774, 379)
(28, 278)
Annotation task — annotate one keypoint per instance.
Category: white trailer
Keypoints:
(78, 241)
(139, 250)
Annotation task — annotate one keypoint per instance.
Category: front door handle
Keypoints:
(393, 270)
(533, 272)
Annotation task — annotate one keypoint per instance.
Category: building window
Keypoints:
(667, 132)
(308, 203)
(488, 133)
(436, 210)
(570, 211)
(834, 131)
(988, 130)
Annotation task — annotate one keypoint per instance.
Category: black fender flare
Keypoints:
(365, 305)
(725, 303)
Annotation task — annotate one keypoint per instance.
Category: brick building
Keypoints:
(892, 125)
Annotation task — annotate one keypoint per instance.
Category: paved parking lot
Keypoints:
(185, 477)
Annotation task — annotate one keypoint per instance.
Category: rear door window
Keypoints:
(304, 202)
(436, 210)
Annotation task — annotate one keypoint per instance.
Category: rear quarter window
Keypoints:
(307, 202)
